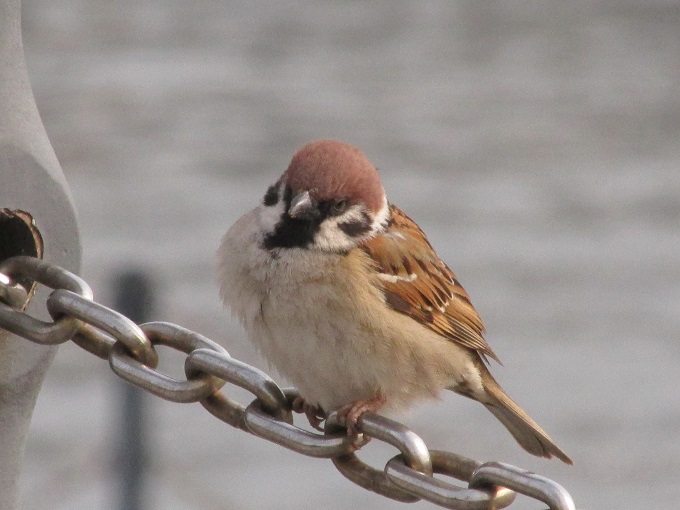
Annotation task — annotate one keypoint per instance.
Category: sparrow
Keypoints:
(344, 295)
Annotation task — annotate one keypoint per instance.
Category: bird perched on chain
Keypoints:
(344, 295)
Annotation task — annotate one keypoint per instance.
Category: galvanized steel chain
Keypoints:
(130, 351)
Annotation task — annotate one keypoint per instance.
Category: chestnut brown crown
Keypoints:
(330, 169)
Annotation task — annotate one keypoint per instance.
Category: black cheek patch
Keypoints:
(271, 197)
(288, 196)
(356, 228)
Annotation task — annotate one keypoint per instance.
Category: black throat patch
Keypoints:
(290, 232)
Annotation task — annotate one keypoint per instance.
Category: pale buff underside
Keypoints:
(322, 324)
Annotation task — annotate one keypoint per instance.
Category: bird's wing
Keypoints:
(417, 283)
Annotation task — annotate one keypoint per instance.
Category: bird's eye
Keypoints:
(339, 206)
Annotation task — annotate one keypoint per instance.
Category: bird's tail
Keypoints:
(526, 431)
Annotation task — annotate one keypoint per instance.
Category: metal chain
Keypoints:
(130, 350)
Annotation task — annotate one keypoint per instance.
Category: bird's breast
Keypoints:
(320, 321)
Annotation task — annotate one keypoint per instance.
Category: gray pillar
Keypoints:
(31, 181)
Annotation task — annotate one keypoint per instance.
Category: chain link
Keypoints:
(54, 277)
(13, 294)
(414, 455)
(130, 351)
(443, 493)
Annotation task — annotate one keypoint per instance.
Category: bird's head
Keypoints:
(329, 199)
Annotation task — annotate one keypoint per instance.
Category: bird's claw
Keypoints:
(349, 415)
(315, 415)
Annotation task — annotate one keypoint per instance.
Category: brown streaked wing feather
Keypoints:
(417, 283)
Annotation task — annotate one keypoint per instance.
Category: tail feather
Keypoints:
(526, 431)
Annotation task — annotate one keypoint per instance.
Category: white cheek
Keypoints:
(381, 218)
(331, 237)
(269, 216)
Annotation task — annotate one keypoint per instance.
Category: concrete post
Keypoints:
(36, 216)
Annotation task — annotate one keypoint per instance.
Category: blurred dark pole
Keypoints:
(134, 298)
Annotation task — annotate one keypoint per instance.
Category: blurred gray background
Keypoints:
(537, 143)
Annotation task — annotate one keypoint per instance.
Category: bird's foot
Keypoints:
(315, 415)
(350, 414)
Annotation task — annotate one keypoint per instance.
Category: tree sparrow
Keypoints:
(343, 294)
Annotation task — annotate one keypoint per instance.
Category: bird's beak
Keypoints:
(303, 207)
